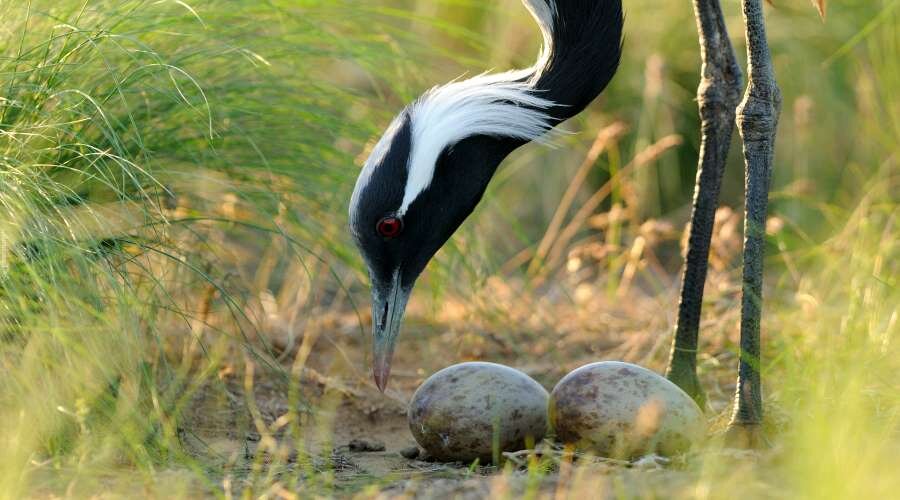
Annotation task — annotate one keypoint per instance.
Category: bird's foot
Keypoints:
(745, 436)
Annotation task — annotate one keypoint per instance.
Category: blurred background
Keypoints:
(174, 182)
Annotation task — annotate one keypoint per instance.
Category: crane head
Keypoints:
(403, 211)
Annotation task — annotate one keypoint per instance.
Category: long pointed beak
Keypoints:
(388, 306)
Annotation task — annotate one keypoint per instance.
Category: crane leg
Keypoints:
(757, 120)
(718, 96)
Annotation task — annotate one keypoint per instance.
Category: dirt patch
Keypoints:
(357, 442)
(327, 427)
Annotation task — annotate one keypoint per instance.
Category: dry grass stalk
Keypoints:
(605, 137)
(643, 158)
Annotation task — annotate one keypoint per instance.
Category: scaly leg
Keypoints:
(757, 120)
(718, 96)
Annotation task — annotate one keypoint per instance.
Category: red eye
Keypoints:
(389, 227)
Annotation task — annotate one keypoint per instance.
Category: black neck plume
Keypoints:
(586, 48)
(584, 56)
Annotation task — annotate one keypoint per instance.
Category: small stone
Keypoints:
(411, 452)
(365, 445)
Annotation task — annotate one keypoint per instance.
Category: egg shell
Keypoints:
(459, 412)
(621, 410)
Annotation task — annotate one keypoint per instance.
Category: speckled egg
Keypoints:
(621, 410)
(464, 411)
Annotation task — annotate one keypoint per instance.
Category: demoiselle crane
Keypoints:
(434, 162)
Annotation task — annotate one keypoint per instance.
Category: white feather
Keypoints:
(501, 105)
(544, 11)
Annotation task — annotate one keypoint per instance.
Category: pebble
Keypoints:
(363, 445)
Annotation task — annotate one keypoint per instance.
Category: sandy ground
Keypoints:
(357, 441)
(358, 447)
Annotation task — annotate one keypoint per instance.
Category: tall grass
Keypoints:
(146, 148)
(173, 184)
